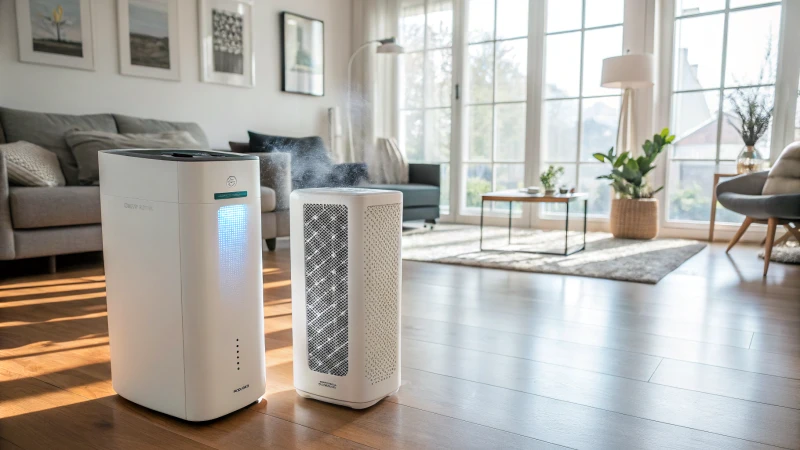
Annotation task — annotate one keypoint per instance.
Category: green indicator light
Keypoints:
(227, 195)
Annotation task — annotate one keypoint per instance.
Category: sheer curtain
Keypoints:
(374, 89)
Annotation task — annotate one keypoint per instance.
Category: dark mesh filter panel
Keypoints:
(382, 290)
(325, 234)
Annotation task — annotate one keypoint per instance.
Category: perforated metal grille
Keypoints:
(325, 235)
(382, 290)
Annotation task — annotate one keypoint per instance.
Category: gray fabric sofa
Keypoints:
(49, 221)
(421, 194)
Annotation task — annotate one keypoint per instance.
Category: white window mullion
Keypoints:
(721, 112)
(786, 82)
(580, 97)
(457, 131)
(537, 24)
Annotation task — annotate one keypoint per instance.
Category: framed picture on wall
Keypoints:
(226, 42)
(148, 38)
(303, 54)
(56, 32)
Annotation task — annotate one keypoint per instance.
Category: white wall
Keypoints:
(224, 112)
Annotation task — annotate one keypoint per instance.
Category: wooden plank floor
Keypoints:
(707, 358)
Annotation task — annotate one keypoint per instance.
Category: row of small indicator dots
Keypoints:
(237, 356)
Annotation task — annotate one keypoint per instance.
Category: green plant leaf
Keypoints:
(665, 132)
(600, 157)
(621, 159)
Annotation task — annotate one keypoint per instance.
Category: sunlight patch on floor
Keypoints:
(57, 319)
(277, 284)
(608, 254)
(50, 289)
(60, 299)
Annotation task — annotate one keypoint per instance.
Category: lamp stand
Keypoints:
(626, 126)
(350, 150)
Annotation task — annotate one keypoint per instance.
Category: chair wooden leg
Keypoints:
(793, 230)
(772, 224)
(782, 239)
(739, 233)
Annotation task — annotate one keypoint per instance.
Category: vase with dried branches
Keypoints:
(753, 112)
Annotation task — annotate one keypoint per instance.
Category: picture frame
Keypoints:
(226, 42)
(149, 38)
(302, 55)
(56, 33)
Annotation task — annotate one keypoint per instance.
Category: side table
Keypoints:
(517, 196)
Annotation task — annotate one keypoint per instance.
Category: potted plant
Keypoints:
(753, 114)
(634, 211)
(549, 179)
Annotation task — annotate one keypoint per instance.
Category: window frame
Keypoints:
(788, 67)
(444, 211)
(647, 27)
(577, 162)
(465, 213)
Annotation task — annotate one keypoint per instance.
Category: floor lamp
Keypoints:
(386, 46)
(628, 72)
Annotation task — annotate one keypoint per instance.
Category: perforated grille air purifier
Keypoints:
(184, 283)
(346, 273)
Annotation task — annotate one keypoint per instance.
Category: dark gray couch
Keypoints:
(49, 221)
(312, 167)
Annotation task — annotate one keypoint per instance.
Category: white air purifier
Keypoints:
(184, 284)
(346, 276)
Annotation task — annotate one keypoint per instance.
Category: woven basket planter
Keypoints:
(634, 219)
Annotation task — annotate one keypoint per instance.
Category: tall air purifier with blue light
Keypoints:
(184, 283)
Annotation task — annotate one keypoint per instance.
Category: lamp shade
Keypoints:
(628, 71)
(391, 48)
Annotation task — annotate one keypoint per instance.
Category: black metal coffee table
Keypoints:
(516, 196)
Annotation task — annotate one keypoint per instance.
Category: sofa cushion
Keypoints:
(267, 199)
(85, 146)
(47, 130)
(58, 241)
(30, 165)
(128, 124)
(784, 177)
(413, 194)
(41, 207)
(239, 147)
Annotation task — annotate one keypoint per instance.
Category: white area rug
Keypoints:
(604, 257)
(788, 253)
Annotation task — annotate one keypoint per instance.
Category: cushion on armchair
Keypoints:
(784, 177)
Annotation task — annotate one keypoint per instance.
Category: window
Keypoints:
(494, 97)
(719, 46)
(797, 116)
(426, 33)
(579, 117)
